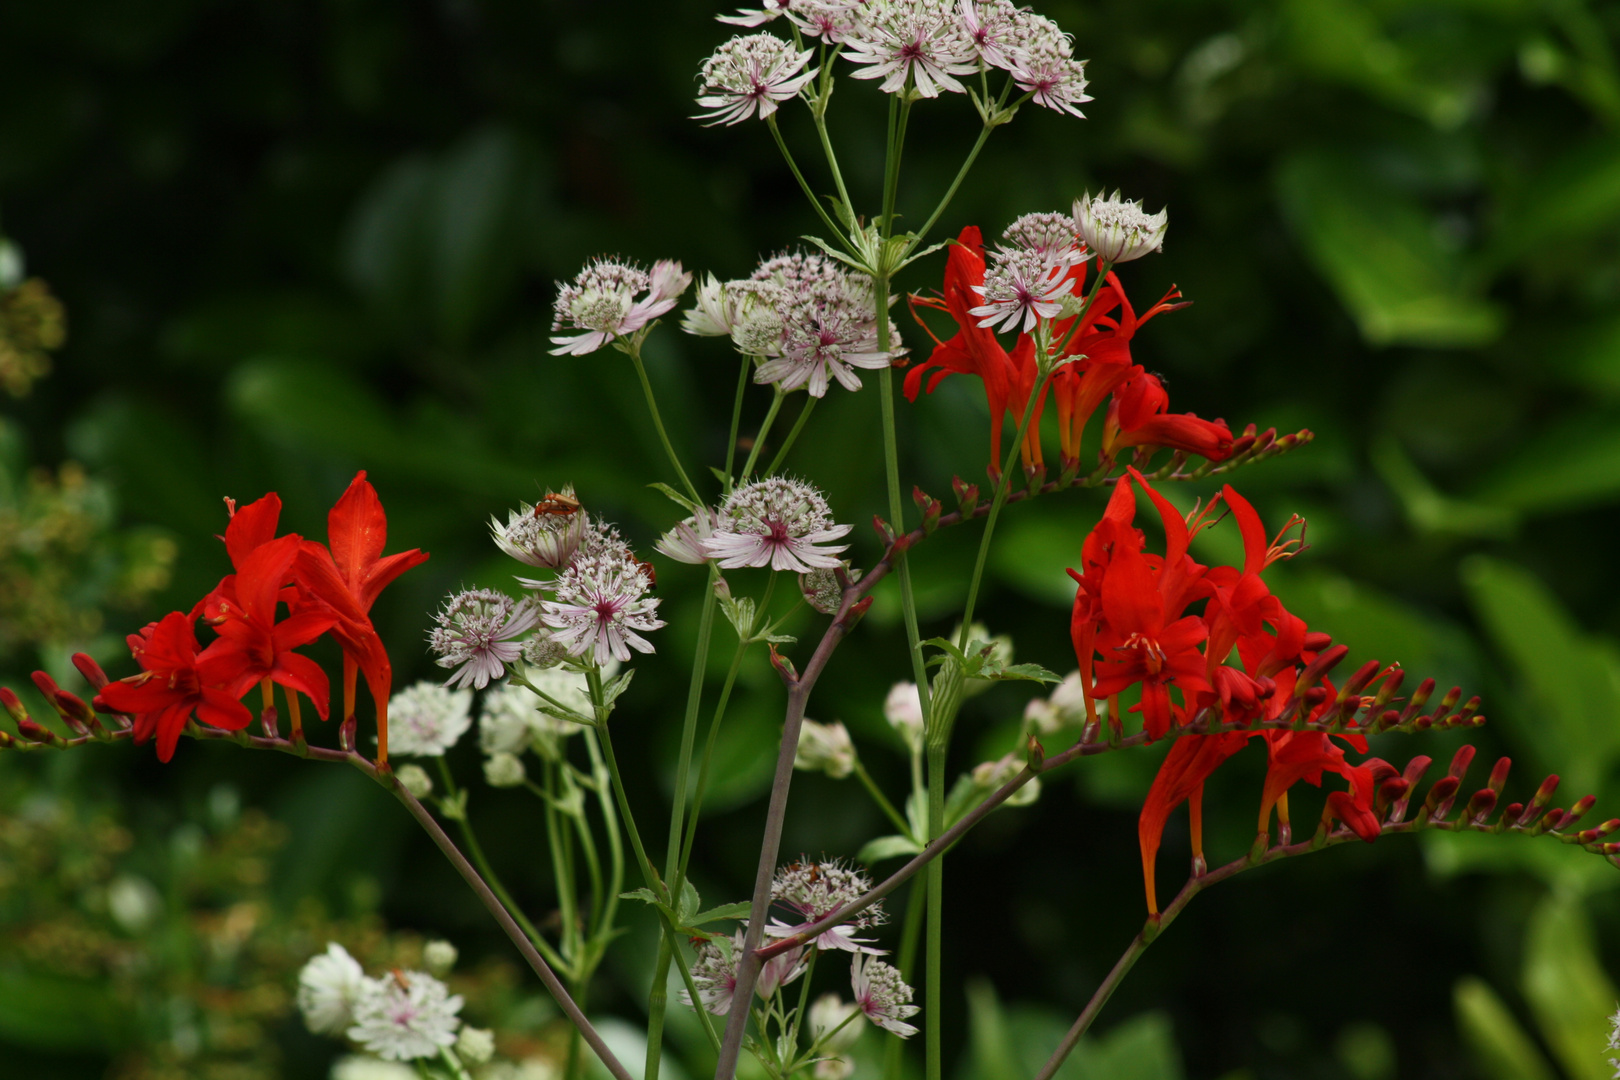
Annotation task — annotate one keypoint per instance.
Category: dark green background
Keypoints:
(298, 239)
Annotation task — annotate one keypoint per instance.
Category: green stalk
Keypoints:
(476, 850)
(561, 871)
(594, 679)
(882, 800)
(910, 933)
(793, 434)
(610, 824)
(708, 756)
(759, 439)
(891, 196)
(658, 421)
(961, 174)
(933, 992)
(787, 155)
(832, 162)
(736, 418)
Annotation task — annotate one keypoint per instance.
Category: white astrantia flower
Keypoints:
(414, 779)
(825, 748)
(405, 1015)
(831, 21)
(810, 891)
(752, 74)
(328, 987)
(1117, 230)
(686, 541)
(1023, 287)
(715, 313)
(425, 720)
(920, 41)
(822, 590)
(357, 1067)
(714, 972)
(599, 606)
(1044, 65)
(992, 28)
(881, 994)
(605, 302)
(835, 1026)
(477, 635)
(546, 535)
(813, 320)
(768, 11)
(903, 710)
(992, 774)
(1065, 708)
(778, 523)
(1049, 235)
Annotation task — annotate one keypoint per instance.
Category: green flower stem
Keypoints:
(453, 1063)
(891, 172)
(708, 756)
(560, 871)
(736, 418)
(658, 421)
(594, 679)
(832, 161)
(610, 823)
(804, 1003)
(787, 155)
(1002, 487)
(793, 434)
(593, 867)
(910, 934)
(764, 430)
(882, 800)
(488, 872)
(934, 991)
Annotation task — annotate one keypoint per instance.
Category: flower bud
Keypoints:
(90, 670)
(439, 957)
(903, 710)
(1116, 230)
(475, 1046)
(504, 770)
(414, 779)
(825, 748)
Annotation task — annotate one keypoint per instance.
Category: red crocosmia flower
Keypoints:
(1104, 340)
(1296, 756)
(252, 646)
(1137, 417)
(1111, 533)
(1008, 378)
(1242, 606)
(1191, 761)
(1355, 807)
(348, 577)
(172, 686)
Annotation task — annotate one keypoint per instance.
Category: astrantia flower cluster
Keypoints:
(810, 890)
(807, 318)
(401, 1016)
(921, 44)
(478, 632)
(751, 75)
(781, 523)
(611, 299)
(427, 719)
(1117, 230)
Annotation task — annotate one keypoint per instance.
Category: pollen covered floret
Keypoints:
(538, 537)
(814, 890)
(477, 635)
(598, 606)
(1117, 230)
(605, 301)
(882, 995)
(752, 74)
(1049, 235)
(425, 720)
(923, 41)
(777, 523)
(406, 1015)
(1023, 287)
(1044, 65)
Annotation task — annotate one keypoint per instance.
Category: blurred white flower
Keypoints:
(504, 770)
(426, 719)
(475, 1046)
(825, 748)
(414, 779)
(439, 956)
(405, 1015)
(328, 987)
(356, 1067)
(903, 710)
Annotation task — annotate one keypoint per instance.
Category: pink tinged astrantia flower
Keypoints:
(1118, 230)
(752, 74)
(992, 26)
(687, 541)
(882, 995)
(777, 523)
(714, 972)
(823, 323)
(540, 537)
(599, 604)
(811, 891)
(477, 635)
(766, 12)
(1044, 65)
(1049, 235)
(1023, 287)
(831, 21)
(606, 301)
(921, 41)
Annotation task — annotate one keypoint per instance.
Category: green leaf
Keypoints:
(1383, 256)
(1022, 672)
(1572, 680)
(611, 692)
(886, 847)
(690, 902)
(1429, 511)
(740, 613)
(1141, 1048)
(1567, 990)
(675, 496)
(739, 910)
(987, 1033)
(1499, 1045)
(1571, 199)
(644, 894)
(1575, 463)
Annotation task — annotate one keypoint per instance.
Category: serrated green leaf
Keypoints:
(644, 894)
(1025, 672)
(675, 497)
(1500, 1046)
(739, 612)
(687, 909)
(781, 639)
(886, 847)
(617, 686)
(739, 910)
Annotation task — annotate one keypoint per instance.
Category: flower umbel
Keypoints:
(1025, 286)
(752, 74)
(425, 720)
(599, 604)
(544, 535)
(477, 635)
(1117, 230)
(814, 890)
(777, 523)
(920, 41)
(882, 995)
(328, 987)
(603, 301)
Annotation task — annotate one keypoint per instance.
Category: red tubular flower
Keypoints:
(1242, 605)
(172, 686)
(1191, 761)
(347, 578)
(974, 350)
(1114, 532)
(1355, 807)
(1137, 417)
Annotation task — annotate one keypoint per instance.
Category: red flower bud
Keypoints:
(90, 670)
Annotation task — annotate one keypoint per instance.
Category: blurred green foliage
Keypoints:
(297, 239)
